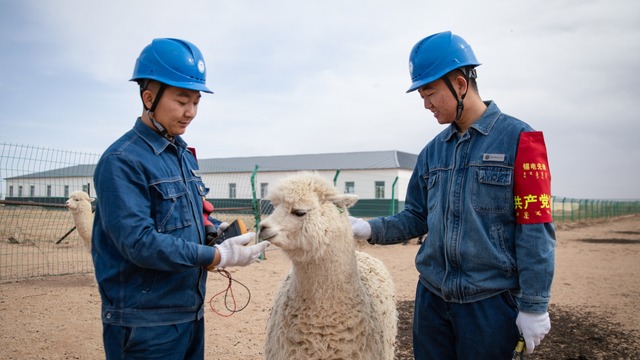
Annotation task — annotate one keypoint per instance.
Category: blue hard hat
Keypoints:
(173, 62)
(434, 56)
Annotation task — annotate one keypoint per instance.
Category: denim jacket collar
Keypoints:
(483, 125)
(157, 142)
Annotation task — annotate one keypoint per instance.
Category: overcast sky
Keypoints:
(308, 77)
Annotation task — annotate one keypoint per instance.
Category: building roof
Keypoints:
(83, 170)
(365, 160)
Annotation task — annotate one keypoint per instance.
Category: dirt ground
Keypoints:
(595, 304)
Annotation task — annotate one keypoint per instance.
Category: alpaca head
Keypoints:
(79, 200)
(308, 214)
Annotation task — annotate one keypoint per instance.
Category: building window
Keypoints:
(85, 188)
(32, 191)
(232, 191)
(350, 187)
(379, 189)
(66, 191)
(264, 188)
(11, 191)
(20, 191)
(48, 190)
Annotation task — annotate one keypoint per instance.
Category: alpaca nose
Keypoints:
(264, 231)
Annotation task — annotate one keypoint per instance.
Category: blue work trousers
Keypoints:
(479, 330)
(183, 341)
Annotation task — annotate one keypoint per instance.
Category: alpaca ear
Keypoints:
(344, 201)
(92, 199)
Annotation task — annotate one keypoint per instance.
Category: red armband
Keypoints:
(532, 180)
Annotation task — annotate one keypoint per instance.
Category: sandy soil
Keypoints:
(597, 267)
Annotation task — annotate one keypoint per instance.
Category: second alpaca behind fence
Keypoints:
(79, 203)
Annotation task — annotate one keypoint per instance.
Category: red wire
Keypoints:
(224, 273)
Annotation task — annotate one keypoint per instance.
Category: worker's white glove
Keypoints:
(361, 229)
(222, 227)
(533, 327)
(233, 251)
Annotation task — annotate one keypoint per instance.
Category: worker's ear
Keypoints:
(344, 201)
(461, 85)
(147, 97)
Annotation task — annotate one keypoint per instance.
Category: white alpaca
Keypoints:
(335, 303)
(79, 204)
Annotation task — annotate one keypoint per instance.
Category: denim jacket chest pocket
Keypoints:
(433, 189)
(170, 205)
(492, 190)
(201, 189)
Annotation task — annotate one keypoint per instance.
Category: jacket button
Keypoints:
(109, 316)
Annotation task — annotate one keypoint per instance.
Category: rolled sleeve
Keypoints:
(206, 255)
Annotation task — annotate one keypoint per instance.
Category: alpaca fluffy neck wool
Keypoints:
(83, 218)
(333, 273)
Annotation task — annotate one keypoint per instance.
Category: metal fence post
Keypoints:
(552, 204)
(579, 210)
(393, 196)
(586, 209)
(256, 207)
(335, 178)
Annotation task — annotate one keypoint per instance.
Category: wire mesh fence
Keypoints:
(567, 209)
(36, 230)
(35, 184)
(37, 236)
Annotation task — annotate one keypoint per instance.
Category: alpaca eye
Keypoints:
(299, 213)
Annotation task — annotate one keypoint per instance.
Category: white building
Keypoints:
(49, 185)
(370, 175)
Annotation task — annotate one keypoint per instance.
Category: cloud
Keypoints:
(315, 77)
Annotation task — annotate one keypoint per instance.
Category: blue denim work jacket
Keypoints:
(148, 233)
(463, 201)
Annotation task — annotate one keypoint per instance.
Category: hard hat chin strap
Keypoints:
(143, 87)
(468, 73)
(163, 132)
(150, 112)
